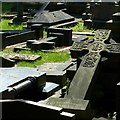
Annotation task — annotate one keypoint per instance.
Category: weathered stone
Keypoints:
(22, 57)
(96, 65)
(87, 77)
(77, 106)
(43, 44)
(55, 72)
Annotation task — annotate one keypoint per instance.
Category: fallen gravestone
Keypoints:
(84, 81)
(22, 57)
(43, 44)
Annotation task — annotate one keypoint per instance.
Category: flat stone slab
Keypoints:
(10, 76)
(81, 108)
(55, 72)
(51, 18)
(76, 104)
(54, 66)
(22, 57)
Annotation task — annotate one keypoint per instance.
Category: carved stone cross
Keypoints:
(85, 74)
(81, 87)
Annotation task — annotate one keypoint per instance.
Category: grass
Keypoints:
(45, 57)
(81, 28)
(5, 26)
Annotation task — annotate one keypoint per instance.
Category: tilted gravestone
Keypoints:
(101, 61)
(82, 85)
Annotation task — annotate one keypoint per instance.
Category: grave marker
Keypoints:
(84, 80)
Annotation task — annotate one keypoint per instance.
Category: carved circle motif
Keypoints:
(96, 47)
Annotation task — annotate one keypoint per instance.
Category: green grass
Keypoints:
(81, 28)
(5, 26)
(45, 57)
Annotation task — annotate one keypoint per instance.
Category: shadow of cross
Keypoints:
(79, 93)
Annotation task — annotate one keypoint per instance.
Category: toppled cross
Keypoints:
(82, 84)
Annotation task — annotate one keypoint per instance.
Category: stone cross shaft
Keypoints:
(81, 85)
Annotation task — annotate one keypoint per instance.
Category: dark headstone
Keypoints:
(38, 29)
(103, 11)
(67, 40)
